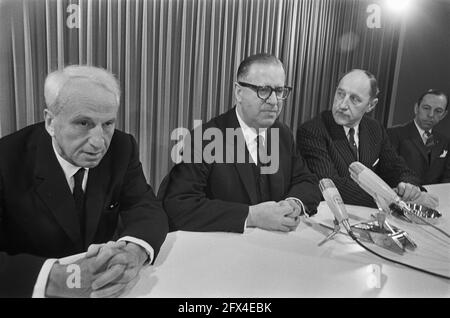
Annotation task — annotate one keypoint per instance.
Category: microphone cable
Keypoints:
(352, 235)
(395, 261)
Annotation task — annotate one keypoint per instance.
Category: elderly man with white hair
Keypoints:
(65, 186)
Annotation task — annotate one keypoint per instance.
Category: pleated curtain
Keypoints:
(176, 60)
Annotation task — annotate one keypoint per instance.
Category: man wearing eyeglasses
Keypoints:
(230, 196)
(334, 139)
(424, 149)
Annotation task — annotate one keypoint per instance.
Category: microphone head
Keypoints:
(333, 198)
(370, 182)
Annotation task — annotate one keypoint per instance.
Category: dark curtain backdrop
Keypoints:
(176, 59)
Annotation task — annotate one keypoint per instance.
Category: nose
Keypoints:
(344, 102)
(96, 140)
(272, 99)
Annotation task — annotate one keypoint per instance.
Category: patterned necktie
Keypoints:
(78, 196)
(429, 139)
(351, 139)
(429, 143)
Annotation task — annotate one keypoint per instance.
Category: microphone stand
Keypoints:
(384, 234)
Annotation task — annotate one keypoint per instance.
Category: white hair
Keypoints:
(57, 80)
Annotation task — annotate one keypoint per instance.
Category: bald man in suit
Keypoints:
(232, 195)
(334, 139)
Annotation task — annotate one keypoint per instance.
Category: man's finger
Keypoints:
(123, 258)
(408, 192)
(106, 253)
(109, 291)
(283, 210)
(401, 189)
(284, 228)
(130, 285)
(289, 222)
(128, 275)
(93, 250)
(108, 276)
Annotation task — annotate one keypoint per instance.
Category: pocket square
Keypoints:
(113, 205)
(375, 163)
(443, 154)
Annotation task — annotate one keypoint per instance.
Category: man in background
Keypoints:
(424, 149)
(334, 139)
(230, 195)
(64, 185)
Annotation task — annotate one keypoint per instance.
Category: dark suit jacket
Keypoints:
(38, 219)
(216, 196)
(408, 143)
(326, 149)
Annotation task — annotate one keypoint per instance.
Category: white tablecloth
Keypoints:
(261, 263)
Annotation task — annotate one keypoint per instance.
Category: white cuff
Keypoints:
(41, 282)
(300, 205)
(141, 243)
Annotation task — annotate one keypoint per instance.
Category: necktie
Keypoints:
(78, 196)
(429, 143)
(351, 139)
(262, 179)
(262, 151)
(429, 139)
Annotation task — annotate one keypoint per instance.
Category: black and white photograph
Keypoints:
(224, 155)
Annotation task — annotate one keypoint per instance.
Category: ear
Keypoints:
(49, 119)
(237, 92)
(372, 104)
(416, 108)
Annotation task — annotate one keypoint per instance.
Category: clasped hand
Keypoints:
(107, 270)
(278, 216)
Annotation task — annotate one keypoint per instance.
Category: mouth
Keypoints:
(341, 114)
(270, 111)
(93, 155)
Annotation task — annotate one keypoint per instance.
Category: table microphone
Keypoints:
(334, 202)
(370, 182)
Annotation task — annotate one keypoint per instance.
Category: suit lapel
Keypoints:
(245, 170)
(51, 186)
(366, 141)
(276, 179)
(95, 196)
(437, 149)
(414, 136)
(340, 141)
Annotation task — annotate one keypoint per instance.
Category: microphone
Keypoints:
(370, 182)
(334, 202)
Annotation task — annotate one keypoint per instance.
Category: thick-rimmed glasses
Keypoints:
(264, 92)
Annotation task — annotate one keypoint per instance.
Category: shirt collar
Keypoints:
(249, 132)
(356, 128)
(421, 131)
(68, 168)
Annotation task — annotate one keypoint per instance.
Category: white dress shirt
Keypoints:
(422, 133)
(250, 137)
(355, 136)
(69, 171)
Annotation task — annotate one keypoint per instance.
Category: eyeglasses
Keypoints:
(264, 92)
